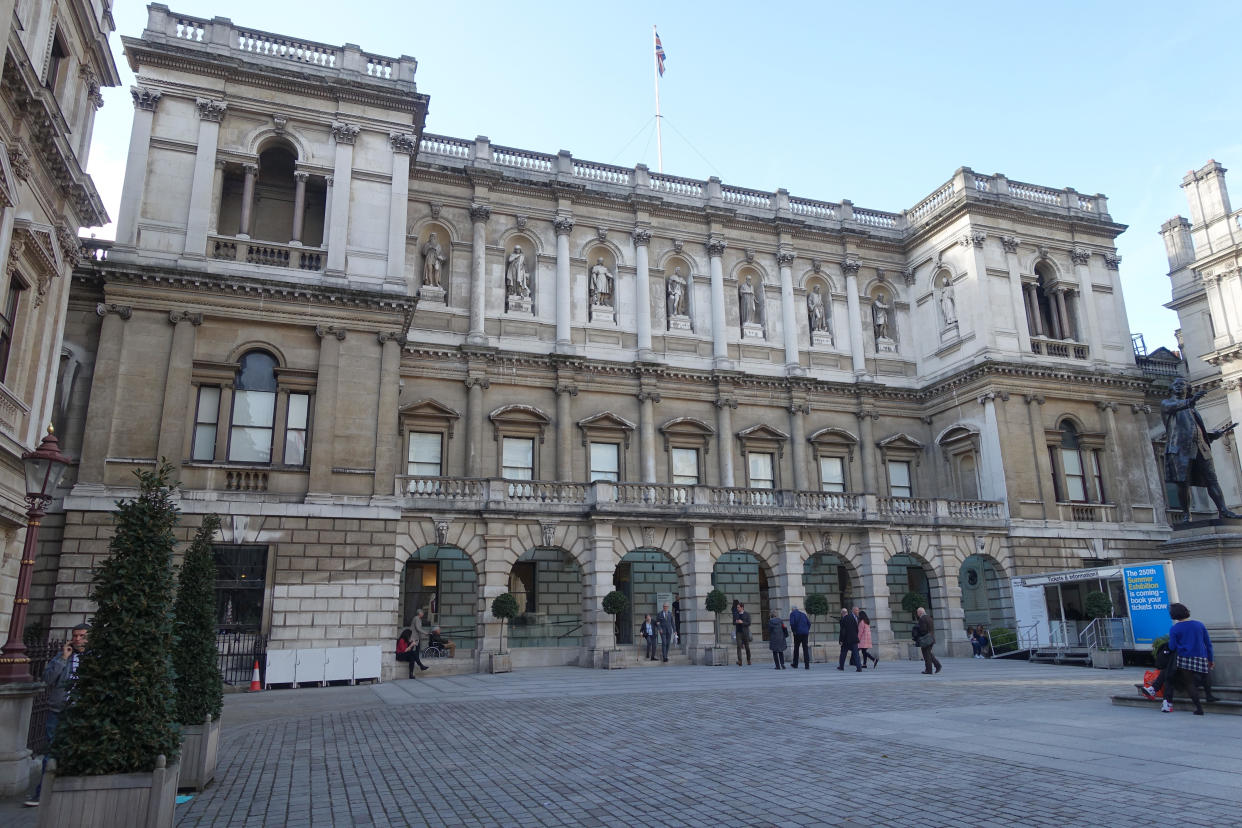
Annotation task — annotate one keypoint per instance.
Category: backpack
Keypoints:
(1164, 656)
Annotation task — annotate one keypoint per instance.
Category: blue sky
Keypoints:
(877, 103)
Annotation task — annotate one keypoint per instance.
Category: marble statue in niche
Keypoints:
(517, 282)
(948, 303)
(881, 313)
(750, 309)
(676, 287)
(600, 284)
(432, 289)
(817, 317)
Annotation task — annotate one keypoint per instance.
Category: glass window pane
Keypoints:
(424, 454)
(254, 408)
(208, 404)
(250, 445)
(295, 447)
(204, 442)
(761, 471)
(605, 461)
(686, 466)
(518, 458)
(1076, 487)
(832, 474)
(1071, 461)
(899, 479)
(298, 406)
(205, 418)
(257, 373)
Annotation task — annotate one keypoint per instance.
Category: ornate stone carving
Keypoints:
(716, 246)
(194, 318)
(1080, 256)
(907, 276)
(1139, 408)
(390, 336)
(104, 308)
(1106, 405)
(330, 330)
(19, 160)
(677, 245)
(1010, 243)
(785, 257)
(749, 254)
(1112, 261)
(601, 233)
(563, 225)
(641, 236)
(279, 122)
(402, 142)
(478, 382)
(70, 246)
(345, 133)
(211, 110)
(646, 395)
(91, 80)
(480, 212)
(145, 98)
(749, 304)
(881, 320)
(435, 208)
(600, 282)
(433, 261)
(548, 532)
(817, 311)
(649, 536)
(851, 266)
(517, 279)
(675, 289)
(800, 408)
(974, 238)
(1033, 399)
(567, 388)
(521, 222)
(727, 402)
(442, 530)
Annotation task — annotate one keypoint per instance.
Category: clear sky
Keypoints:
(875, 102)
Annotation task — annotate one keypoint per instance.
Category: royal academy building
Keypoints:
(413, 371)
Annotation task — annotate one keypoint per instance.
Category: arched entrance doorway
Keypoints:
(986, 596)
(548, 584)
(829, 575)
(908, 573)
(743, 576)
(649, 579)
(441, 581)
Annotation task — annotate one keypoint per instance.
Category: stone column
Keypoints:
(474, 424)
(992, 462)
(403, 147)
(299, 206)
(1039, 450)
(642, 293)
(724, 438)
(857, 348)
(479, 214)
(1032, 293)
(1120, 487)
(178, 396)
(97, 435)
(866, 449)
(789, 316)
(565, 431)
(217, 190)
(323, 437)
(387, 432)
(873, 574)
(798, 410)
(1086, 299)
(646, 433)
(1021, 320)
(697, 624)
(720, 343)
(134, 188)
(247, 207)
(597, 581)
(328, 181)
(949, 618)
(210, 113)
(564, 299)
(1063, 317)
(342, 175)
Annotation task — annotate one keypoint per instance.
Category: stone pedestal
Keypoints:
(16, 701)
(1207, 568)
(884, 345)
(949, 333)
(433, 295)
(752, 330)
(679, 322)
(821, 339)
(603, 313)
(519, 304)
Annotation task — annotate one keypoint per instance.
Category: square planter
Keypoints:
(715, 655)
(199, 746)
(614, 659)
(1107, 659)
(118, 800)
(499, 663)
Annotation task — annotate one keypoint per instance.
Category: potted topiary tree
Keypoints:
(117, 744)
(910, 602)
(614, 604)
(816, 607)
(1104, 654)
(717, 654)
(505, 608)
(200, 689)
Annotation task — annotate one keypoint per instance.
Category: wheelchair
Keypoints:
(435, 651)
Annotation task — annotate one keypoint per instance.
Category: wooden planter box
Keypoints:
(614, 659)
(199, 746)
(119, 800)
(1107, 659)
(716, 655)
(499, 663)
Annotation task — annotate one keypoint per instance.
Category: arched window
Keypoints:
(1081, 477)
(254, 409)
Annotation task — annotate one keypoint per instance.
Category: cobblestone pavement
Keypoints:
(985, 743)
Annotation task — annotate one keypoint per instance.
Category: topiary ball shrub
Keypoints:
(911, 601)
(615, 603)
(817, 604)
(1098, 605)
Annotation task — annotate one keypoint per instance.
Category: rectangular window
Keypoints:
(250, 439)
(1099, 476)
(517, 458)
(8, 323)
(296, 421)
(761, 476)
(605, 462)
(206, 417)
(1075, 477)
(423, 459)
(831, 474)
(899, 479)
(240, 574)
(685, 467)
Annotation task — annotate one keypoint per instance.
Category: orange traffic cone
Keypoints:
(254, 678)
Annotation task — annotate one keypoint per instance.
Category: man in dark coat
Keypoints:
(800, 626)
(926, 640)
(741, 631)
(1187, 456)
(849, 640)
(666, 626)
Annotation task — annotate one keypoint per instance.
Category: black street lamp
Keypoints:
(44, 467)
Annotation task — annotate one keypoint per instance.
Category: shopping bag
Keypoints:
(1148, 677)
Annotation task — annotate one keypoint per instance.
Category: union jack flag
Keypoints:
(659, 55)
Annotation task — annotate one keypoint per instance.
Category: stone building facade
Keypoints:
(415, 371)
(56, 59)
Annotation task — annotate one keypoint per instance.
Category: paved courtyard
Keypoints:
(985, 743)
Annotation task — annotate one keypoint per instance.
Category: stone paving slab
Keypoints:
(985, 743)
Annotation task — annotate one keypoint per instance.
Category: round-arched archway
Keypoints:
(441, 581)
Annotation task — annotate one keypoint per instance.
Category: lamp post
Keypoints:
(44, 467)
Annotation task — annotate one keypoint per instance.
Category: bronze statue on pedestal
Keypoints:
(1187, 456)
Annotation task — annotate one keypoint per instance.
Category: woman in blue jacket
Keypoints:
(1192, 654)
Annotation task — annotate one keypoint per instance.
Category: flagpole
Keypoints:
(655, 58)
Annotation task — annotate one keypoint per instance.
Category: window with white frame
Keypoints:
(254, 409)
(297, 419)
(1082, 476)
(8, 324)
(832, 474)
(517, 458)
(425, 454)
(605, 462)
(899, 484)
(685, 466)
(206, 420)
(761, 470)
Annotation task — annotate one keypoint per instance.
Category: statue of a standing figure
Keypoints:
(517, 280)
(948, 305)
(817, 313)
(747, 309)
(676, 293)
(1187, 456)
(433, 259)
(601, 284)
(879, 317)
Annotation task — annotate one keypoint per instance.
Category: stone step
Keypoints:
(1181, 704)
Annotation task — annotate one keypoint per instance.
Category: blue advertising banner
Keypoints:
(1148, 596)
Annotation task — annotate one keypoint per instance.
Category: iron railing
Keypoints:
(39, 655)
(237, 653)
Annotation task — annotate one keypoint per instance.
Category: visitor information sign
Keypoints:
(1031, 612)
(1148, 596)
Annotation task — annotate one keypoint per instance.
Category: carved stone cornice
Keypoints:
(641, 236)
(480, 212)
(70, 245)
(716, 246)
(193, 317)
(1112, 261)
(123, 311)
(145, 98)
(323, 331)
(345, 133)
(88, 76)
(211, 110)
(1079, 256)
(785, 257)
(851, 266)
(402, 142)
(563, 225)
(1010, 243)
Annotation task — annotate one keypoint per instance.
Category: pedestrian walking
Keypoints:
(848, 637)
(777, 638)
(925, 641)
(648, 631)
(741, 631)
(666, 627)
(677, 613)
(1192, 657)
(800, 626)
(864, 639)
(59, 675)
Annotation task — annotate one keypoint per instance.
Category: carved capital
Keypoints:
(345, 133)
(851, 266)
(1140, 408)
(563, 225)
(1106, 405)
(1080, 256)
(800, 408)
(973, 238)
(716, 246)
(402, 142)
(210, 110)
(478, 382)
(480, 212)
(649, 396)
(192, 317)
(785, 257)
(390, 336)
(1112, 261)
(301, 176)
(251, 170)
(567, 388)
(105, 308)
(1033, 399)
(988, 397)
(145, 98)
(322, 331)
(867, 413)
(19, 160)
(726, 402)
(1010, 243)
(641, 236)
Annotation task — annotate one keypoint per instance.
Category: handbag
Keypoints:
(925, 640)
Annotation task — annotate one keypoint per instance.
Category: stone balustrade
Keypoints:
(1087, 512)
(1060, 348)
(671, 500)
(268, 254)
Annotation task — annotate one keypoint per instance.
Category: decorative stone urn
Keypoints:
(199, 746)
(117, 800)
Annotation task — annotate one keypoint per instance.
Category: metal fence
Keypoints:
(40, 655)
(237, 654)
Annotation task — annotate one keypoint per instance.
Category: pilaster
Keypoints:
(342, 175)
(563, 225)
(210, 113)
(793, 364)
(132, 191)
(387, 433)
(97, 435)
(642, 293)
(720, 346)
(323, 438)
(177, 396)
(854, 308)
(403, 146)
